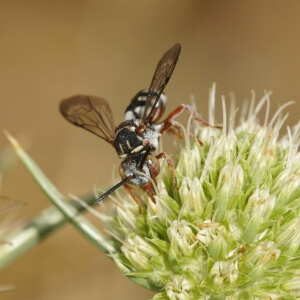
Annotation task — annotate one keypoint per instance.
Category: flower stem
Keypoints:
(70, 212)
(29, 234)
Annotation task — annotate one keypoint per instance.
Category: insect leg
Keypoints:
(129, 190)
(175, 130)
(178, 134)
(169, 121)
(171, 166)
(144, 159)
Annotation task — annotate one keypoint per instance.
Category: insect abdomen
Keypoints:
(135, 110)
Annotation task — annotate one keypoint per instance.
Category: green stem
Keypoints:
(34, 231)
(69, 211)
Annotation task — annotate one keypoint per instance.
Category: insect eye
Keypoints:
(153, 165)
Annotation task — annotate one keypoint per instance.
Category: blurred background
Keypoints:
(50, 50)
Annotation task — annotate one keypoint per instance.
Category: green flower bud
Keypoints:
(232, 229)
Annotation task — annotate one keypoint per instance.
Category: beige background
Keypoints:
(53, 49)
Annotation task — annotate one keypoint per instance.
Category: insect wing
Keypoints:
(91, 113)
(160, 79)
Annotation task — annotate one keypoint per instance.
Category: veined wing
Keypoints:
(160, 79)
(91, 113)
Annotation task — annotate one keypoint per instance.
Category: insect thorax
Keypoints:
(127, 142)
(135, 110)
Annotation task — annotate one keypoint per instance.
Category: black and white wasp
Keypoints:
(138, 136)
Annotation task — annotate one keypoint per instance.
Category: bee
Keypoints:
(137, 137)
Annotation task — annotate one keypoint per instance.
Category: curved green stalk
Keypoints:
(29, 234)
(69, 211)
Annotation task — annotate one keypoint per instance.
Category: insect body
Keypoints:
(136, 108)
(136, 137)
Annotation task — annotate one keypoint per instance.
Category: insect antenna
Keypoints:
(144, 158)
(112, 189)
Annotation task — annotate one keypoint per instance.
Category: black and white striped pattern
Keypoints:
(135, 109)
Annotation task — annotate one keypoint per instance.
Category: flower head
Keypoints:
(232, 229)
